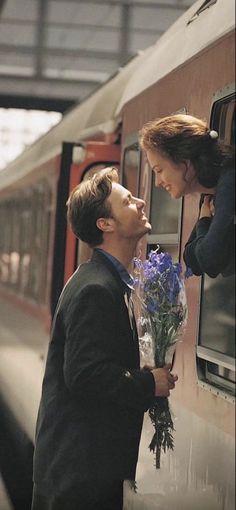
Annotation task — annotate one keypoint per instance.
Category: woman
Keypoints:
(187, 157)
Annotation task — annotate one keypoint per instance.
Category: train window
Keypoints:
(5, 240)
(131, 165)
(216, 346)
(25, 225)
(165, 216)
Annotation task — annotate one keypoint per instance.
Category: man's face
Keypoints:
(129, 218)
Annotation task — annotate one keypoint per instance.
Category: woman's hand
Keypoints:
(207, 209)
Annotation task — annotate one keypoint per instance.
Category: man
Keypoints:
(94, 393)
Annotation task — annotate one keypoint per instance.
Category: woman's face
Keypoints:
(176, 178)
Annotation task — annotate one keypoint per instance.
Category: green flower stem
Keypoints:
(162, 421)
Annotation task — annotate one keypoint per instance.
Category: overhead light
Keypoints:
(70, 74)
(16, 70)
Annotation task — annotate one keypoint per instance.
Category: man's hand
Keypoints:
(164, 381)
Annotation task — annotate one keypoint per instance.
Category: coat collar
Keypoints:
(101, 258)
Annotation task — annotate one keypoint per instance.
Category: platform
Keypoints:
(23, 348)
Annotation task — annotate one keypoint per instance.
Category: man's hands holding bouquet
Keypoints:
(164, 381)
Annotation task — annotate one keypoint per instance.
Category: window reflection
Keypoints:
(164, 213)
(131, 169)
(218, 317)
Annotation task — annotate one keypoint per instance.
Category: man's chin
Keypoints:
(147, 229)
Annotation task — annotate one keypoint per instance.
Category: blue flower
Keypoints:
(164, 312)
(152, 306)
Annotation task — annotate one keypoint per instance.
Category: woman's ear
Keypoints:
(105, 224)
(190, 172)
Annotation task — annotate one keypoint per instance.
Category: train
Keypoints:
(189, 69)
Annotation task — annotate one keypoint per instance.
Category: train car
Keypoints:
(190, 69)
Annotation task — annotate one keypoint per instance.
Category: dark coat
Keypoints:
(94, 394)
(210, 248)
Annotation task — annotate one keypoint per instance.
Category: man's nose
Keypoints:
(140, 203)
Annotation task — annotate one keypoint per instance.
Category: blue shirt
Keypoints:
(125, 276)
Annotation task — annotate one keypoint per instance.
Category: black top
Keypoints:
(94, 393)
(210, 248)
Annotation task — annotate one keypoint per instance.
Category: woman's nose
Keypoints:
(157, 180)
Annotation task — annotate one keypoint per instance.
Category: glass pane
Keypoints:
(131, 169)
(217, 325)
(218, 315)
(165, 212)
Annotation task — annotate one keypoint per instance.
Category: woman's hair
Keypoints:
(88, 202)
(183, 137)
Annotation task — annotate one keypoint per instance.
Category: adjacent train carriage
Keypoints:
(190, 69)
(37, 255)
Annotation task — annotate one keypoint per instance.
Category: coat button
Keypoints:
(127, 373)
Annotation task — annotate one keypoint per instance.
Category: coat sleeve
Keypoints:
(210, 245)
(91, 370)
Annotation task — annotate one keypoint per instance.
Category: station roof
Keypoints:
(55, 50)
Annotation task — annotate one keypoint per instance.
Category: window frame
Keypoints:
(217, 384)
(131, 143)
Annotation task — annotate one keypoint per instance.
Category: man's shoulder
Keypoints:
(90, 274)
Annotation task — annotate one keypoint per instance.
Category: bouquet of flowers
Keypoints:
(160, 289)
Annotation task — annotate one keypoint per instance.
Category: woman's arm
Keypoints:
(210, 246)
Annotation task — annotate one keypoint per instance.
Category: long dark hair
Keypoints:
(183, 137)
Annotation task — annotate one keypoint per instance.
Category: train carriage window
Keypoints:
(165, 217)
(25, 223)
(15, 243)
(216, 345)
(131, 165)
(6, 219)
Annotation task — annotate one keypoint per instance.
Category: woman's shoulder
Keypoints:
(227, 173)
(227, 179)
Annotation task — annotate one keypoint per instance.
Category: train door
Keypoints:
(86, 159)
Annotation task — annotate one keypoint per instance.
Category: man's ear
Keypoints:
(105, 224)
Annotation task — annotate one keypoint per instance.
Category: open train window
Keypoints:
(165, 216)
(131, 166)
(216, 344)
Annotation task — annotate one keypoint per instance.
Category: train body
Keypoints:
(190, 69)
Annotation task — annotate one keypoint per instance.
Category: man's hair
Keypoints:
(183, 137)
(88, 202)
